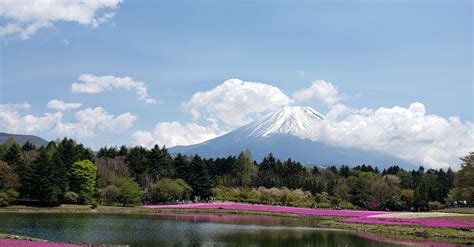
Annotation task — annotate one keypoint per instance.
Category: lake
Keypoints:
(180, 230)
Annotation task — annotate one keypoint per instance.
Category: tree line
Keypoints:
(67, 172)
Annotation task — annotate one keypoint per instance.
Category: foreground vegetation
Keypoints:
(67, 172)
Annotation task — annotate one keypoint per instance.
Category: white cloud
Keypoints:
(95, 84)
(236, 102)
(11, 120)
(25, 17)
(90, 120)
(61, 105)
(407, 133)
(174, 133)
(320, 92)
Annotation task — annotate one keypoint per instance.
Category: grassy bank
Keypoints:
(451, 235)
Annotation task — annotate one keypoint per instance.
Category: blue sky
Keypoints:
(377, 54)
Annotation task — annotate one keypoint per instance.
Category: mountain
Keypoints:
(22, 139)
(288, 133)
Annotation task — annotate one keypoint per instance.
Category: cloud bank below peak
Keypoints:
(406, 132)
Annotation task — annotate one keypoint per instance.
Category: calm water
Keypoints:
(179, 230)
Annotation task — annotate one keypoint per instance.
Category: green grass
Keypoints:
(458, 210)
(392, 231)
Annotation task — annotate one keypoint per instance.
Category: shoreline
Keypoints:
(400, 232)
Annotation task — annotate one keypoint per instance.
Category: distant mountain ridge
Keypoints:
(22, 139)
(287, 133)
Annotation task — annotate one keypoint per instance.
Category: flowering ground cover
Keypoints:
(10, 242)
(448, 220)
(272, 209)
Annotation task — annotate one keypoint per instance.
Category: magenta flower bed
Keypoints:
(354, 216)
(273, 209)
(8, 242)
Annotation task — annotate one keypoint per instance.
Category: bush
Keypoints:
(8, 197)
(435, 205)
(346, 205)
(93, 204)
(4, 199)
(323, 205)
(130, 193)
(168, 190)
(110, 194)
(71, 197)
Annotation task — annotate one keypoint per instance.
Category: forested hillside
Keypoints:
(67, 172)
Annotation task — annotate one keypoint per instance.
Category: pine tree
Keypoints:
(199, 179)
(42, 183)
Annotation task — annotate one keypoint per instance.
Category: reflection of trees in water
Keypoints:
(177, 230)
(239, 219)
(297, 238)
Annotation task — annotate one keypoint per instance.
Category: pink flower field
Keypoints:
(352, 216)
(9, 242)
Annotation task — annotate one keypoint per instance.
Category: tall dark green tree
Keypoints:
(42, 184)
(159, 164)
(137, 164)
(199, 179)
(268, 172)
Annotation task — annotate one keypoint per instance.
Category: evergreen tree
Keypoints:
(159, 164)
(28, 146)
(137, 161)
(41, 179)
(182, 166)
(199, 179)
(244, 170)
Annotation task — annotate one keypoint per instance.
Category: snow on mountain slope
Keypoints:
(293, 120)
(289, 132)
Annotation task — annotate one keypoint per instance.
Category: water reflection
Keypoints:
(181, 230)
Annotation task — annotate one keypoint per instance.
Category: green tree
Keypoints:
(137, 161)
(168, 190)
(199, 179)
(9, 184)
(464, 179)
(130, 192)
(83, 179)
(110, 194)
(159, 164)
(244, 170)
(41, 179)
(14, 158)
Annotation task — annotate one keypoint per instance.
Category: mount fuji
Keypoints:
(288, 132)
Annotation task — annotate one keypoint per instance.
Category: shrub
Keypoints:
(323, 205)
(4, 199)
(8, 197)
(346, 205)
(110, 194)
(168, 190)
(93, 204)
(71, 197)
(435, 205)
(130, 193)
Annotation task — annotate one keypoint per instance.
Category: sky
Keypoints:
(394, 76)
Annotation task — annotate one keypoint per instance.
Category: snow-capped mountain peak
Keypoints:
(293, 120)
